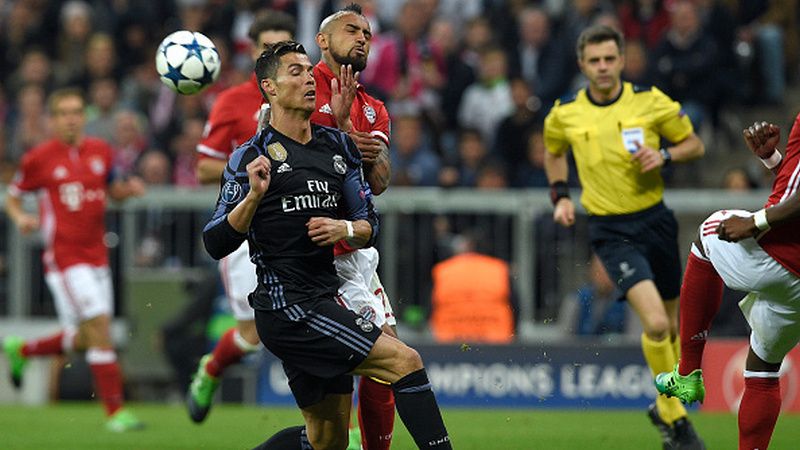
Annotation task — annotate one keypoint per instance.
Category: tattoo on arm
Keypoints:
(380, 172)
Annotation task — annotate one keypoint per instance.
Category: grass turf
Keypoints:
(67, 426)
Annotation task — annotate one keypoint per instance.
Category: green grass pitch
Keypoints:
(79, 426)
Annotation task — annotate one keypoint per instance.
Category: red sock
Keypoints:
(225, 353)
(758, 412)
(50, 345)
(107, 378)
(375, 414)
(701, 295)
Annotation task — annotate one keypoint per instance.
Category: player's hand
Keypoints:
(326, 231)
(368, 145)
(762, 138)
(136, 186)
(648, 158)
(343, 92)
(258, 174)
(736, 228)
(564, 212)
(27, 223)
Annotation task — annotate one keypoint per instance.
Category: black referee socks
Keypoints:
(292, 438)
(419, 411)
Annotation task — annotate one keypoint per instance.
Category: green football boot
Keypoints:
(688, 389)
(12, 347)
(201, 391)
(122, 421)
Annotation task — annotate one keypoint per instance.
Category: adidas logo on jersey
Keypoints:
(284, 168)
(326, 109)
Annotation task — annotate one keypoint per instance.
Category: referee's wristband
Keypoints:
(558, 190)
(760, 218)
(773, 161)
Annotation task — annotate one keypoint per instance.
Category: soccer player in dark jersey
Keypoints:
(284, 191)
(233, 120)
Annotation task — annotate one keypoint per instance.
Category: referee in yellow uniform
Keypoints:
(614, 130)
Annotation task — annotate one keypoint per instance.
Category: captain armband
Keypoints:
(558, 190)
(773, 161)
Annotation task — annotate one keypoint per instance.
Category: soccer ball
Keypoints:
(187, 62)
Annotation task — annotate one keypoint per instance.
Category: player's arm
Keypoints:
(209, 170)
(25, 222)
(763, 138)
(736, 228)
(240, 195)
(375, 156)
(121, 189)
(359, 228)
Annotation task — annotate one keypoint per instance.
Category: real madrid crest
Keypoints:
(369, 112)
(277, 151)
(339, 165)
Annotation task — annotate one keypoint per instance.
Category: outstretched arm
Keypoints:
(736, 228)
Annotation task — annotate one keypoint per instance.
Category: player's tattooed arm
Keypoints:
(379, 171)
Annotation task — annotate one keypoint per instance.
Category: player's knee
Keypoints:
(410, 360)
(657, 328)
(327, 441)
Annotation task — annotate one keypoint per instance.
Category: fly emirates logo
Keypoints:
(318, 196)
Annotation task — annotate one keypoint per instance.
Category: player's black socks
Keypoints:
(419, 411)
(292, 438)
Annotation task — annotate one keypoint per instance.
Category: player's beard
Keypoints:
(359, 64)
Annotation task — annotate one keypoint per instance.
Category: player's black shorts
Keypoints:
(639, 246)
(319, 342)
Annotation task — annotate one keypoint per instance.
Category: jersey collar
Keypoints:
(608, 103)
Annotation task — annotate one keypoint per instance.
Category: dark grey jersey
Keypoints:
(322, 178)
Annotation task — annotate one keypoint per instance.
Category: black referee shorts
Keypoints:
(319, 343)
(639, 246)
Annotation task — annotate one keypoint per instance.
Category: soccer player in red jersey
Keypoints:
(344, 40)
(757, 253)
(72, 174)
(233, 120)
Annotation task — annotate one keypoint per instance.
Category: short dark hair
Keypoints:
(597, 34)
(352, 8)
(270, 20)
(267, 64)
(60, 94)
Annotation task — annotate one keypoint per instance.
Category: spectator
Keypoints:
(130, 140)
(684, 63)
(540, 56)
(492, 176)
(459, 72)
(768, 30)
(183, 152)
(154, 168)
(488, 100)
(35, 69)
(471, 299)
(73, 39)
(530, 173)
(644, 20)
(103, 106)
(596, 308)
(463, 170)
(737, 179)
(414, 163)
(636, 70)
(27, 122)
(511, 141)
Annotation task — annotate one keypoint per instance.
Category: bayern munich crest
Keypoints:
(370, 113)
(338, 164)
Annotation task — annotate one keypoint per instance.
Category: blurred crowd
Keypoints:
(467, 82)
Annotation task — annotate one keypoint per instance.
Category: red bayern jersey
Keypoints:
(783, 242)
(232, 121)
(367, 115)
(71, 183)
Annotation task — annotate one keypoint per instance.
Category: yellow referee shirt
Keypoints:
(602, 138)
